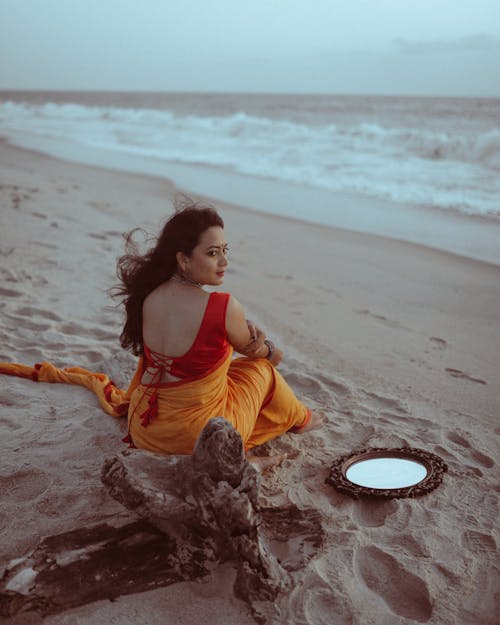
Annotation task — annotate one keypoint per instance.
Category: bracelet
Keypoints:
(270, 347)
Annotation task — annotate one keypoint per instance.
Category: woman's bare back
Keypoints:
(172, 317)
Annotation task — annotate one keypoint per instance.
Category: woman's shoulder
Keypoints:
(234, 309)
(155, 302)
(165, 299)
(219, 300)
(220, 295)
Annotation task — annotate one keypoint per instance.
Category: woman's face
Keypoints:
(208, 260)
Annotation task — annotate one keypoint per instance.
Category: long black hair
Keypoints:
(140, 274)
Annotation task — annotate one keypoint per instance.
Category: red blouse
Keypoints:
(209, 346)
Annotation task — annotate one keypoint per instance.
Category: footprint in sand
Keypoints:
(386, 403)
(71, 327)
(458, 440)
(373, 513)
(407, 544)
(28, 324)
(314, 601)
(17, 193)
(75, 329)
(8, 424)
(394, 419)
(45, 416)
(405, 593)
(445, 453)
(48, 246)
(6, 398)
(14, 399)
(438, 342)
(30, 311)
(90, 355)
(23, 485)
(336, 387)
(9, 293)
(482, 459)
(320, 605)
(31, 354)
(479, 543)
(457, 373)
(16, 200)
(310, 387)
(99, 205)
(8, 275)
(485, 461)
(390, 323)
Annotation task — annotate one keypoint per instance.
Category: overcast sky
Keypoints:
(421, 47)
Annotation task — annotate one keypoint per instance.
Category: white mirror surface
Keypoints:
(386, 473)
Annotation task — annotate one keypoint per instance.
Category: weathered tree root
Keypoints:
(193, 511)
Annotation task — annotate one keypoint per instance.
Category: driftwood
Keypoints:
(193, 511)
(89, 564)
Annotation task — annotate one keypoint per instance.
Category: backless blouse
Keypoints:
(209, 346)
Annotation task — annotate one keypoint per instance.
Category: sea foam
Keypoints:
(416, 158)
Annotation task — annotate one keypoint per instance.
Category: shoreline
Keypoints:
(477, 237)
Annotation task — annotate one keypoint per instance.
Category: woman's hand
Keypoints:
(260, 347)
(277, 356)
(257, 348)
(246, 337)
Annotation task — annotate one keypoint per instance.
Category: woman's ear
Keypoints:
(182, 260)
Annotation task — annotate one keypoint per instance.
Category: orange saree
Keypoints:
(250, 394)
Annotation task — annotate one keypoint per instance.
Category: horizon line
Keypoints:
(247, 93)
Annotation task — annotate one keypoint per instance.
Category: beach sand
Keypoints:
(399, 344)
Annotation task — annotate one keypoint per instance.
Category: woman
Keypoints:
(186, 338)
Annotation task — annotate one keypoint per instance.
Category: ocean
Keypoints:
(435, 154)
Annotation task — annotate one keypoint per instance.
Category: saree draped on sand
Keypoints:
(168, 418)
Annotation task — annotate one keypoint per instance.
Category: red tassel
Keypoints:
(128, 439)
(108, 389)
(145, 418)
(34, 375)
(153, 399)
(151, 412)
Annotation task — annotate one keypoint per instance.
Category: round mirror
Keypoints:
(386, 472)
(382, 472)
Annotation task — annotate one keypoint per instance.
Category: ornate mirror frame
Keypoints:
(435, 466)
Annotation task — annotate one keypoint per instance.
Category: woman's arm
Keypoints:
(240, 335)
